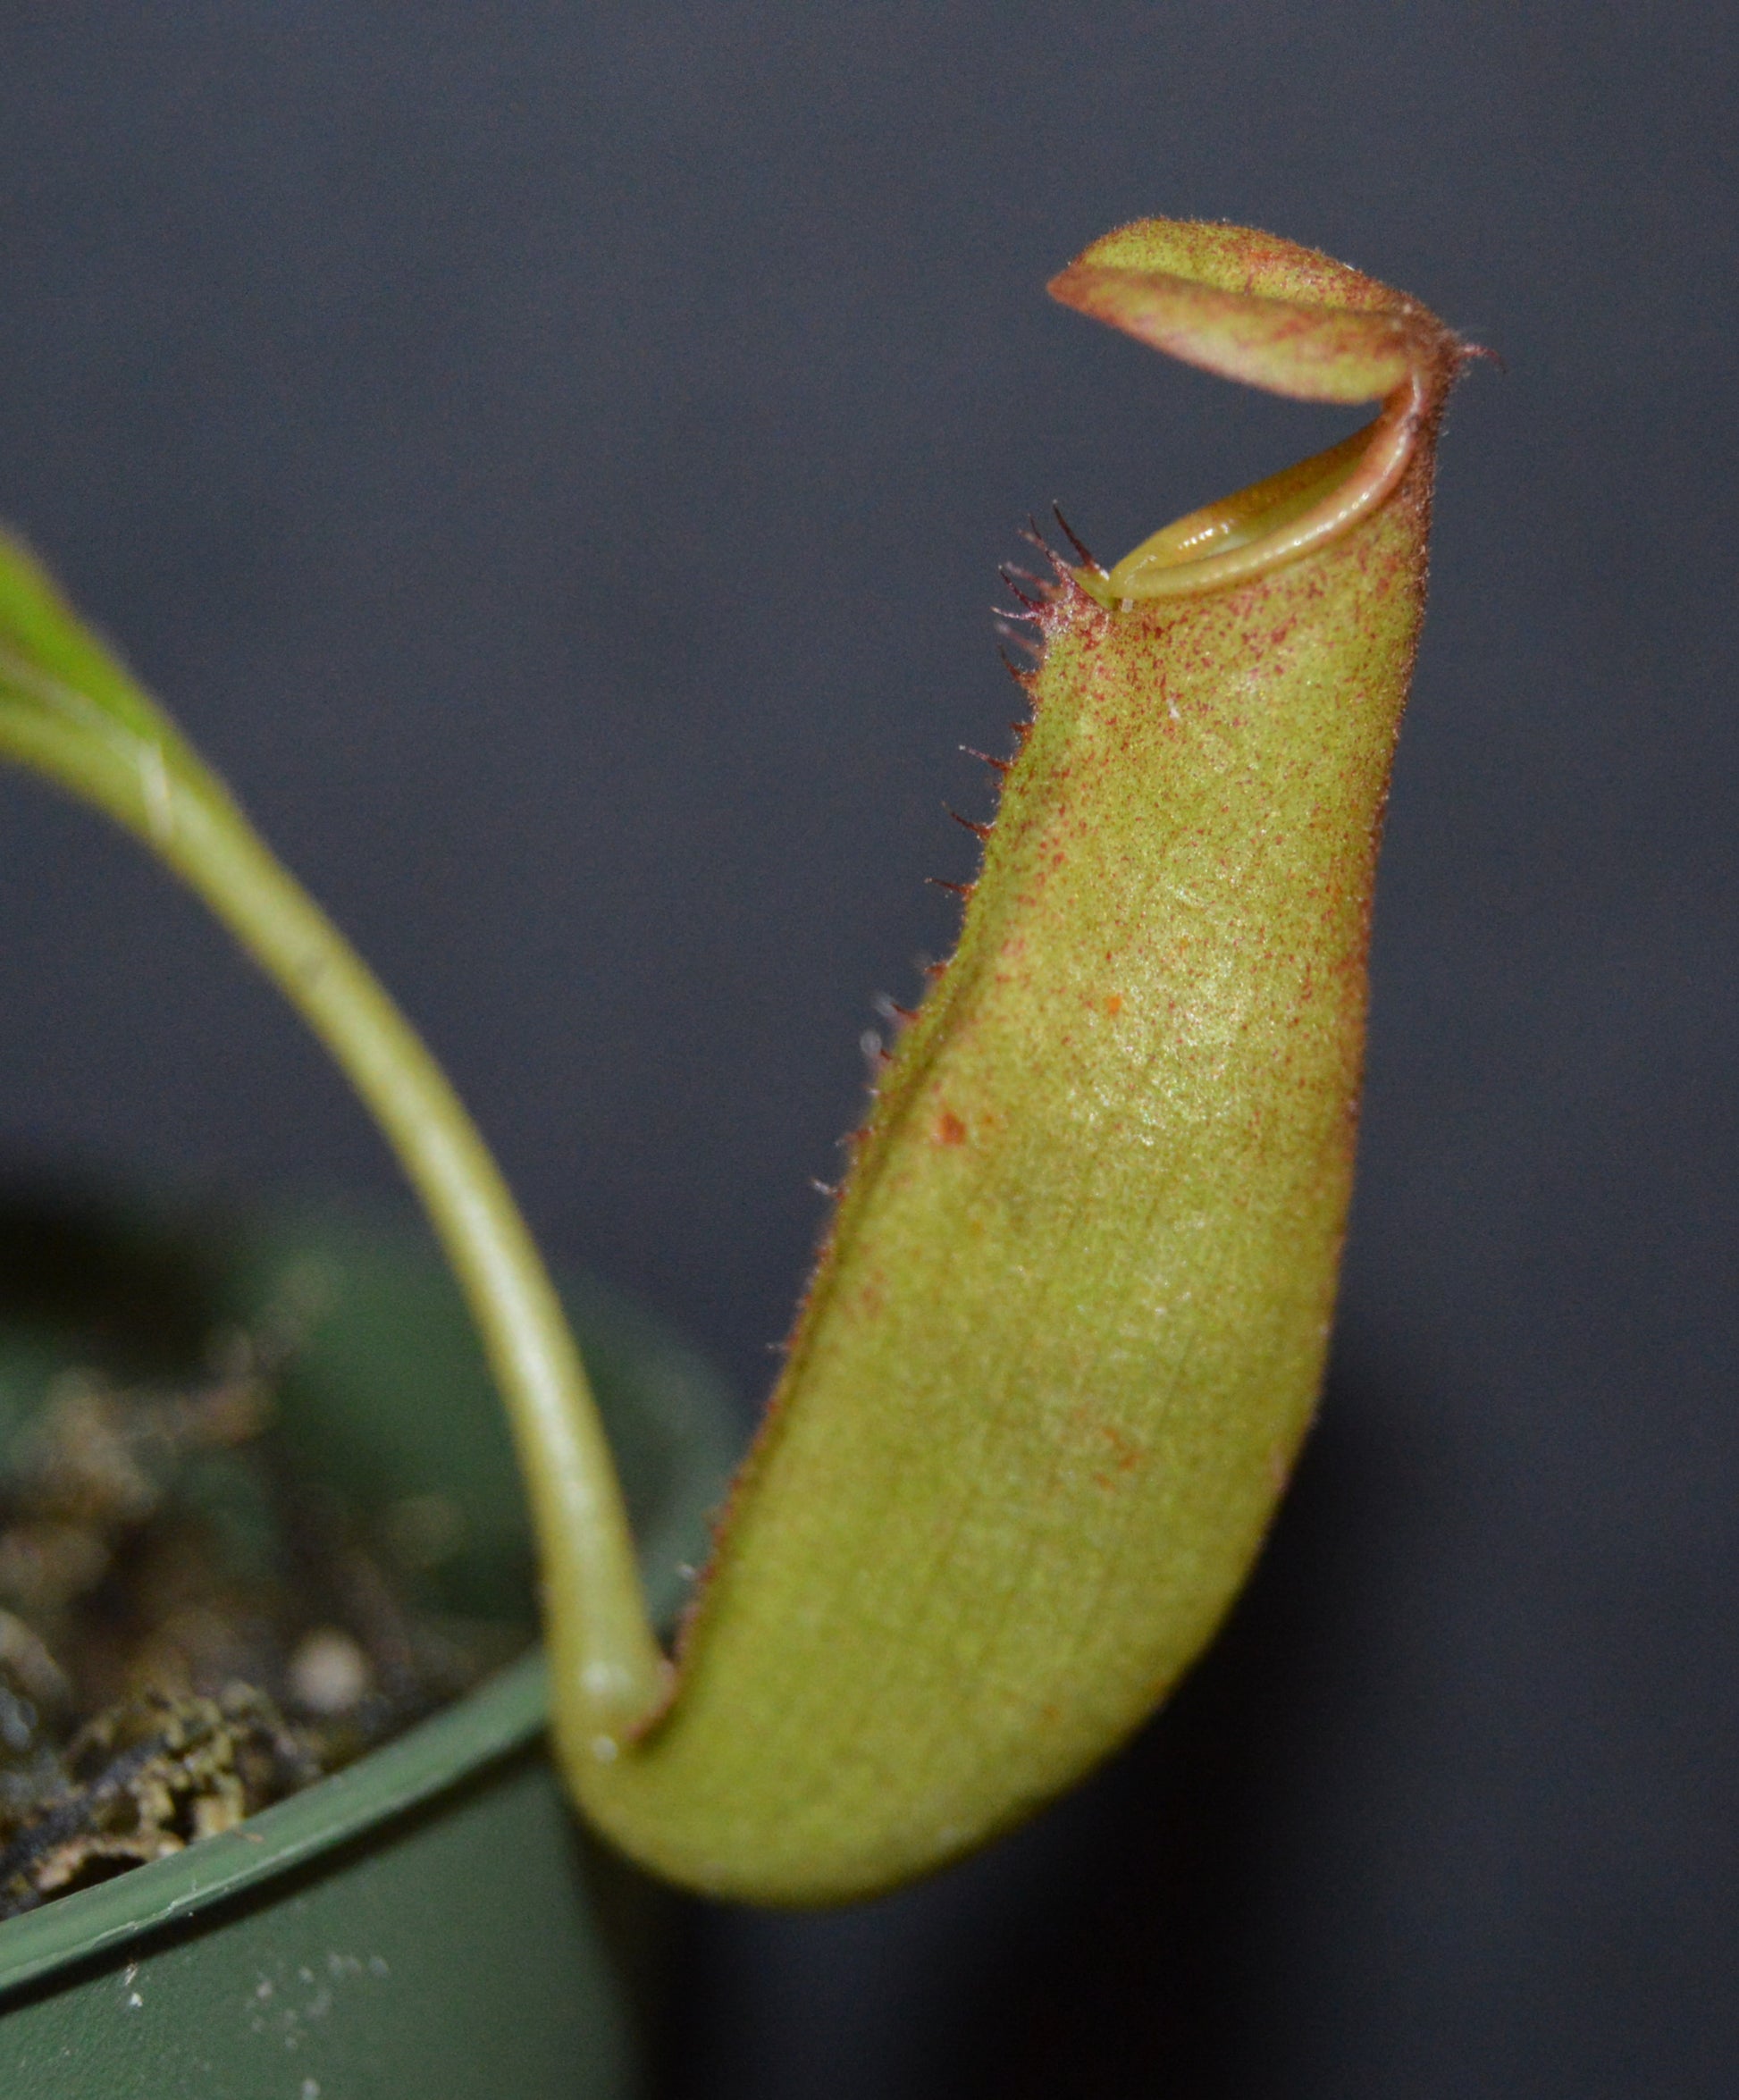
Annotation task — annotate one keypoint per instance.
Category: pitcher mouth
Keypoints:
(1272, 521)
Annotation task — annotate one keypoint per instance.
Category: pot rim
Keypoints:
(502, 1716)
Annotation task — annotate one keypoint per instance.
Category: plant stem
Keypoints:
(604, 1654)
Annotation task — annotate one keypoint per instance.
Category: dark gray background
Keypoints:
(554, 458)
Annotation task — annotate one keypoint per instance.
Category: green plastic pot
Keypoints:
(429, 1921)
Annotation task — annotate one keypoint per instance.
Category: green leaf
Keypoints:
(70, 709)
(1069, 1328)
